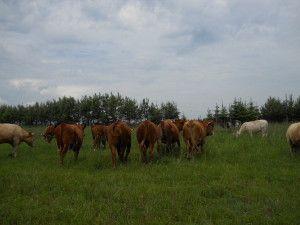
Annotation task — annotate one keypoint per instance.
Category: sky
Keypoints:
(194, 52)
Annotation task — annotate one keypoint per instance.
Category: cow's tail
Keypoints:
(142, 144)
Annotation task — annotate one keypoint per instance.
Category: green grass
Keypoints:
(237, 181)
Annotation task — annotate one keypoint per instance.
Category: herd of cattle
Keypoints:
(118, 136)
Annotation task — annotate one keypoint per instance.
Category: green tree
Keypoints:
(273, 110)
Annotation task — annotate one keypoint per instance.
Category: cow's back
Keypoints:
(293, 134)
(147, 131)
(119, 133)
(10, 131)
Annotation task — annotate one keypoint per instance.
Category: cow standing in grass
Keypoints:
(119, 141)
(194, 134)
(147, 135)
(254, 127)
(14, 135)
(68, 136)
(169, 134)
(99, 134)
(293, 136)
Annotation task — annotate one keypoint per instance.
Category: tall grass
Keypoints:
(237, 181)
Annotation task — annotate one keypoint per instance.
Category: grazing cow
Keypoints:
(119, 141)
(14, 134)
(147, 135)
(99, 133)
(194, 134)
(68, 136)
(254, 127)
(169, 133)
(293, 136)
(179, 123)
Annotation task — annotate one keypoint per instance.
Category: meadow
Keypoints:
(236, 181)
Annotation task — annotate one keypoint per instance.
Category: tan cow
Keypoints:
(119, 141)
(169, 134)
(293, 136)
(254, 127)
(147, 135)
(14, 134)
(194, 134)
(68, 136)
(99, 134)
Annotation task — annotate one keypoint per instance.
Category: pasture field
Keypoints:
(237, 181)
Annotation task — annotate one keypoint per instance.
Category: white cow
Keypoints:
(293, 136)
(14, 135)
(254, 127)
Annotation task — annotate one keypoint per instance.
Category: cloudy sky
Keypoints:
(193, 52)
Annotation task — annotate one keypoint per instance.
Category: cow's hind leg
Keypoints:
(15, 148)
(76, 153)
(151, 151)
(62, 153)
(113, 154)
(127, 151)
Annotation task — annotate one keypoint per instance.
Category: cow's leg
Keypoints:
(103, 143)
(158, 148)
(127, 151)
(113, 154)
(190, 149)
(63, 152)
(178, 143)
(143, 151)
(76, 152)
(15, 145)
(151, 151)
(121, 153)
(96, 143)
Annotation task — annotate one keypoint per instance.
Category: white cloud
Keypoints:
(27, 83)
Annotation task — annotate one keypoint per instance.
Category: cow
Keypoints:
(99, 134)
(293, 137)
(179, 123)
(147, 135)
(14, 135)
(194, 135)
(119, 141)
(254, 127)
(168, 134)
(68, 136)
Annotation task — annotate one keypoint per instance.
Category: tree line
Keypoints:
(273, 110)
(99, 108)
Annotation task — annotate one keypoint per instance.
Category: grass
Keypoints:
(237, 181)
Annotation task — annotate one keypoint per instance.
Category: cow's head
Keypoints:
(29, 139)
(49, 133)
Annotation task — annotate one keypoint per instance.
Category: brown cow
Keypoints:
(169, 133)
(14, 135)
(179, 123)
(194, 134)
(99, 134)
(147, 135)
(119, 140)
(68, 136)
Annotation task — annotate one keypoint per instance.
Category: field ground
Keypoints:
(237, 181)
